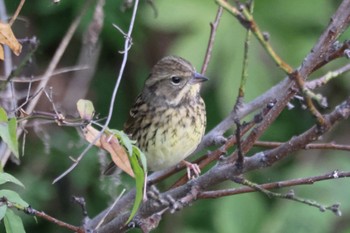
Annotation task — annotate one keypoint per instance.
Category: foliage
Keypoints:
(180, 28)
(13, 223)
(124, 153)
(8, 131)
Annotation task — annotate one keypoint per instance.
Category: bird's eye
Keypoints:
(175, 80)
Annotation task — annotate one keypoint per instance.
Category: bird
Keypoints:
(168, 119)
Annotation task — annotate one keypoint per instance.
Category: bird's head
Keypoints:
(173, 80)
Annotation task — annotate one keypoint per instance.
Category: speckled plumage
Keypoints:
(168, 119)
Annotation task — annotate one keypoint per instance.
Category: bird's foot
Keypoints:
(193, 169)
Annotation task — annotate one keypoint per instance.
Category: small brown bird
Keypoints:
(168, 119)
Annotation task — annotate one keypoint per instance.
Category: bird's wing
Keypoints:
(137, 112)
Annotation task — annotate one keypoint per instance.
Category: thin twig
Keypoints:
(322, 146)
(48, 73)
(241, 91)
(40, 214)
(244, 75)
(114, 94)
(246, 19)
(49, 218)
(22, 64)
(224, 171)
(8, 103)
(300, 81)
(315, 59)
(289, 196)
(213, 28)
(110, 208)
(274, 185)
(41, 77)
(19, 8)
(327, 77)
(57, 56)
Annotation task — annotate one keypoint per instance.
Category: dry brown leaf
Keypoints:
(8, 38)
(2, 56)
(110, 144)
(90, 134)
(118, 154)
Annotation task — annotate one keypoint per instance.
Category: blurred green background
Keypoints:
(182, 28)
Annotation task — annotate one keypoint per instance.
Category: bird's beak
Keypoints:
(198, 78)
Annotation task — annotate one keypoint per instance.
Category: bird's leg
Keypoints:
(191, 167)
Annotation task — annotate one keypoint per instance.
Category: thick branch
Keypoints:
(226, 169)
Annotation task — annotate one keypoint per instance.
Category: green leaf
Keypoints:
(13, 197)
(5, 177)
(86, 109)
(124, 140)
(8, 132)
(12, 128)
(3, 115)
(13, 223)
(140, 176)
(3, 209)
(141, 157)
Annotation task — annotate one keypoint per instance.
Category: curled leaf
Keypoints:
(8, 38)
(86, 109)
(140, 180)
(111, 144)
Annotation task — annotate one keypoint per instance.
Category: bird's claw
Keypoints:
(193, 170)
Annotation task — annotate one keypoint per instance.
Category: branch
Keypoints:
(226, 169)
(274, 185)
(327, 77)
(127, 44)
(319, 54)
(213, 29)
(19, 8)
(335, 208)
(48, 73)
(29, 210)
(323, 146)
(41, 77)
(269, 157)
(244, 16)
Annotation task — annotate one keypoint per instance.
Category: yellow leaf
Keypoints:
(118, 154)
(111, 144)
(8, 38)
